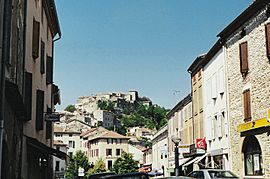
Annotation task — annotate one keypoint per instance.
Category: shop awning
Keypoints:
(45, 149)
(183, 160)
(196, 160)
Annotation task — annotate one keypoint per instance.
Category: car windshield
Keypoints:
(221, 174)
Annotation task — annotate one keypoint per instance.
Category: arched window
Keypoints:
(253, 156)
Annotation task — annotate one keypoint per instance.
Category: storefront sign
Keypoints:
(201, 143)
(163, 150)
(53, 117)
(253, 125)
(216, 152)
(184, 148)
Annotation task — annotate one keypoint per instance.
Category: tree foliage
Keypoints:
(125, 164)
(106, 105)
(79, 160)
(70, 108)
(98, 167)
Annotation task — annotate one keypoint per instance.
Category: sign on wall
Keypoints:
(201, 143)
(184, 148)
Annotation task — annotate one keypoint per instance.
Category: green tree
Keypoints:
(79, 160)
(98, 167)
(70, 108)
(106, 105)
(125, 164)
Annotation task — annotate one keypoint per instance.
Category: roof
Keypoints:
(50, 10)
(180, 105)
(196, 64)
(83, 134)
(255, 7)
(108, 135)
(58, 129)
(59, 143)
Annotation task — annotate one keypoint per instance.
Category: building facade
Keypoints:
(27, 30)
(160, 150)
(215, 108)
(104, 144)
(247, 42)
(59, 165)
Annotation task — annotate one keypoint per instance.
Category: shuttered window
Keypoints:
(39, 109)
(267, 36)
(42, 56)
(247, 106)
(49, 70)
(243, 58)
(28, 95)
(35, 39)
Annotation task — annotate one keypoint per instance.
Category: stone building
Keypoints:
(105, 144)
(247, 43)
(27, 35)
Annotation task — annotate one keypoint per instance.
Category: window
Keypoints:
(109, 141)
(57, 164)
(108, 152)
(197, 174)
(109, 164)
(214, 86)
(48, 129)
(97, 152)
(200, 98)
(39, 109)
(118, 152)
(195, 100)
(35, 39)
(243, 58)
(70, 154)
(161, 156)
(57, 148)
(42, 56)
(70, 135)
(49, 70)
(71, 144)
(58, 135)
(28, 94)
(267, 36)
(247, 106)
(252, 156)
(221, 80)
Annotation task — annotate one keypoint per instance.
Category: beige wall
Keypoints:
(33, 66)
(197, 85)
(101, 145)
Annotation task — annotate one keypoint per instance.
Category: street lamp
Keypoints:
(176, 141)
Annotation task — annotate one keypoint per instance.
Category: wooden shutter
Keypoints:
(244, 57)
(28, 95)
(49, 70)
(267, 36)
(35, 39)
(39, 109)
(42, 53)
(247, 106)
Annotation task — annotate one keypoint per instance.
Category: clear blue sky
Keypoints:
(143, 45)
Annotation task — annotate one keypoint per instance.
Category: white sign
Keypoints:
(163, 150)
(184, 148)
(256, 162)
(80, 172)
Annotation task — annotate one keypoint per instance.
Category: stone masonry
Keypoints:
(257, 80)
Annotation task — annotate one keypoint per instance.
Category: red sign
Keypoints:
(201, 143)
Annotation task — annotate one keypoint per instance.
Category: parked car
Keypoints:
(173, 177)
(135, 175)
(100, 175)
(212, 173)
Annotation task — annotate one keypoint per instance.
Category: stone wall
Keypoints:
(257, 80)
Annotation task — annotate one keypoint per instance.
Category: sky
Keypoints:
(142, 45)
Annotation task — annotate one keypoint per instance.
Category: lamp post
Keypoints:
(176, 141)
